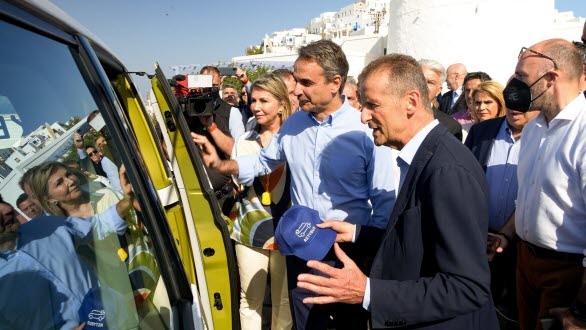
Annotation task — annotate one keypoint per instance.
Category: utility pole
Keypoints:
(377, 18)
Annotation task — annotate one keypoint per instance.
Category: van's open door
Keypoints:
(213, 255)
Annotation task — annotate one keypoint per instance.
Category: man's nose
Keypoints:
(365, 116)
(298, 89)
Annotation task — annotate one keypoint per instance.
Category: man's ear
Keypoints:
(552, 77)
(412, 101)
(337, 82)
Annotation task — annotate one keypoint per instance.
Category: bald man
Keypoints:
(551, 201)
(454, 100)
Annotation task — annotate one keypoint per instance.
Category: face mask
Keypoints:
(518, 96)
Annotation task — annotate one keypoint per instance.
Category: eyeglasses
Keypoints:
(93, 153)
(537, 54)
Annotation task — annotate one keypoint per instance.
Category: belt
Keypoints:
(544, 253)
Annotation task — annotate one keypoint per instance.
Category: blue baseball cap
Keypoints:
(297, 234)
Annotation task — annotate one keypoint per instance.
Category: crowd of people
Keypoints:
(464, 210)
(461, 210)
(81, 248)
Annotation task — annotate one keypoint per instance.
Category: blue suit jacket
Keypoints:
(430, 270)
(481, 137)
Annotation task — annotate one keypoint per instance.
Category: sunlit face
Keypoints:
(485, 105)
(265, 107)
(63, 187)
(31, 195)
(529, 71)
(433, 82)
(290, 83)
(468, 88)
(314, 92)
(94, 154)
(382, 112)
(230, 95)
(31, 209)
(455, 76)
(351, 93)
(101, 143)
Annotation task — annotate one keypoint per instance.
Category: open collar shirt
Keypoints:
(551, 203)
(335, 167)
(501, 174)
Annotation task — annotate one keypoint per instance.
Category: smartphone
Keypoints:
(227, 71)
(84, 128)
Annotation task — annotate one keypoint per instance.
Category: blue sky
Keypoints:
(199, 31)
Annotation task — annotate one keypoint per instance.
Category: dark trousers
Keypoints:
(503, 287)
(545, 279)
(320, 317)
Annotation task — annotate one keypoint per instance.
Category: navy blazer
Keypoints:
(446, 104)
(450, 123)
(430, 269)
(481, 138)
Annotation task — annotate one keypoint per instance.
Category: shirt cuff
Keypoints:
(109, 221)
(81, 154)
(354, 235)
(366, 299)
(246, 169)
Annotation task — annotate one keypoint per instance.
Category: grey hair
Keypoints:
(352, 81)
(435, 66)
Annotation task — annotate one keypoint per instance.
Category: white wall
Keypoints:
(485, 35)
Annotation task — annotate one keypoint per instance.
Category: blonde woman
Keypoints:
(488, 101)
(258, 210)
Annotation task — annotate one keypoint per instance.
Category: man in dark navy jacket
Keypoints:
(430, 269)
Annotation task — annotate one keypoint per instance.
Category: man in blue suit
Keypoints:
(429, 269)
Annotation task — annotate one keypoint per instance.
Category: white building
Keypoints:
(484, 36)
(29, 145)
(287, 41)
(354, 27)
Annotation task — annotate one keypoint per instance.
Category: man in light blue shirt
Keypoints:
(429, 267)
(57, 279)
(330, 153)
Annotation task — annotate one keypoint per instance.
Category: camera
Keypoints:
(195, 94)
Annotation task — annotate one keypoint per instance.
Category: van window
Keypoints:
(73, 247)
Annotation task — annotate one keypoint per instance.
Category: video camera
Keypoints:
(195, 94)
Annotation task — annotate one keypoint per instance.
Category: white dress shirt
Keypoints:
(551, 203)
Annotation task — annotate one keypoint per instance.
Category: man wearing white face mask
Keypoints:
(550, 218)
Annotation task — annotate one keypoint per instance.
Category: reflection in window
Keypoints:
(82, 253)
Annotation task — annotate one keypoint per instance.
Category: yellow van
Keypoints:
(99, 227)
